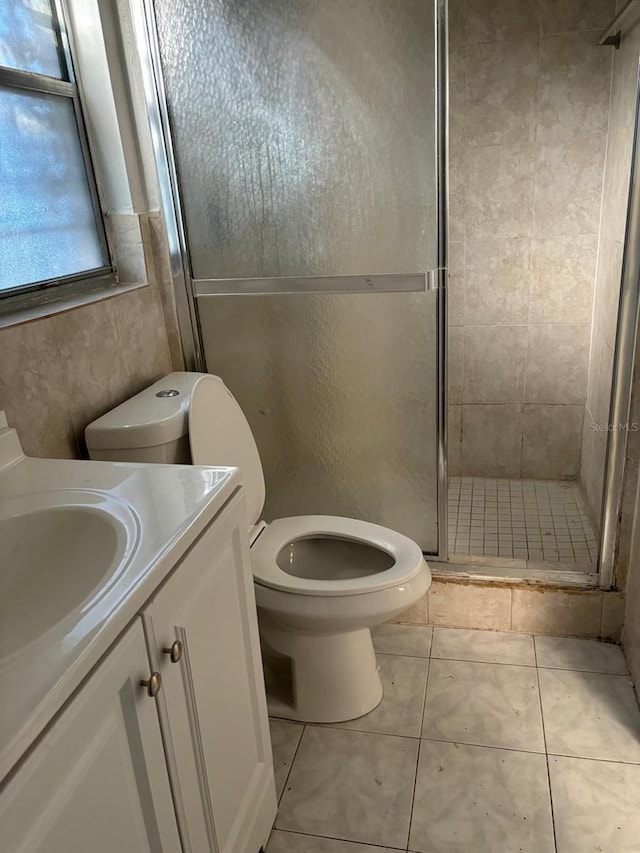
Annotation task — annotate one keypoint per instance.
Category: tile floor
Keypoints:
(484, 743)
(538, 520)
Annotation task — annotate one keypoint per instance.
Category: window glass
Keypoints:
(47, 221)
(27, 37)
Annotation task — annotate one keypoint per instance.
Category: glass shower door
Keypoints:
(305, 142)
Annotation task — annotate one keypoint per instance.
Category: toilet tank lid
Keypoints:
(153, 417)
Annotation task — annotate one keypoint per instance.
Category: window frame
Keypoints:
(68, 86)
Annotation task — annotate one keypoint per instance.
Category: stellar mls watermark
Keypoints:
(626, 427)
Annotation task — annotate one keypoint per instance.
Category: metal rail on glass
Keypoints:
(402, 283)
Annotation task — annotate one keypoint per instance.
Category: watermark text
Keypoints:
(627, 427)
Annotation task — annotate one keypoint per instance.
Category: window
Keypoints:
(51, 229)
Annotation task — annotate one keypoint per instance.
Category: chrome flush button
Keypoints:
(170, 392)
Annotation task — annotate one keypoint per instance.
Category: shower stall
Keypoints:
(542, 112)
(302, 150)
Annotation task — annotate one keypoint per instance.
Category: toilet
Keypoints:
(321, 582)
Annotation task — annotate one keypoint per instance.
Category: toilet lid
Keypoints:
(219, 434)
(360, 557)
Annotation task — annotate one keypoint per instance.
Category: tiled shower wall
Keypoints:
(612, 232)
(529, 114)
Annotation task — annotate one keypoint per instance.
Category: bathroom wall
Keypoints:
(612, 232)
(529, 113)
(59, 372)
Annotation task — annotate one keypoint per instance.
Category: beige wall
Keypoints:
(60, 372)
(612, 232)
(529, 111)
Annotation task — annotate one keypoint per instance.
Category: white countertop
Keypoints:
(170, 505)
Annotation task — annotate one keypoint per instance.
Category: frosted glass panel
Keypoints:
(340, 392)
(27, 38)
(47, 223)
(304, 134)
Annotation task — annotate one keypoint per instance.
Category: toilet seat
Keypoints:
(407, 556)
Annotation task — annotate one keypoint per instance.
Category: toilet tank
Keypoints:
(153, 426)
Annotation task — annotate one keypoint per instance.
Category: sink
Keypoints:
(58, 554)
(83, 547)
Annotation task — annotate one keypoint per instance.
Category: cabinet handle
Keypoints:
(174, 651)
(153, 685)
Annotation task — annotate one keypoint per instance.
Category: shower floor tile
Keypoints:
(537, 520)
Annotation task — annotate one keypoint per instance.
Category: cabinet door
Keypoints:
(97, 781)
(212, 705)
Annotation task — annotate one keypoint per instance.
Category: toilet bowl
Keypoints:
(321, 582)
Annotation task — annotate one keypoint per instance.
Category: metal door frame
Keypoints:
(148, 49)
(186, 290)
(442, 190)
(623, 365)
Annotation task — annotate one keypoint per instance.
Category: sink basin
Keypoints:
(56, 558)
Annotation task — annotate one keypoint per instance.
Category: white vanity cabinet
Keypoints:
(97, 781)
(202, 637)
(182, 765)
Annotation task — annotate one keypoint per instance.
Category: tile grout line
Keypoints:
(503, 663)
(337, 838)
(546, 750)
(338, 727)
(424, 705)
(590, 758)
(583, 671)
(485, 746)
(415, 777)
(492, 662)
(293, 758)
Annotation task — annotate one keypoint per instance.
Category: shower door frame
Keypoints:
(623, 368)
(148, 48)
(627, 344)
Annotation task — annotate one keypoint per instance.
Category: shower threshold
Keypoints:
(502, 570)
